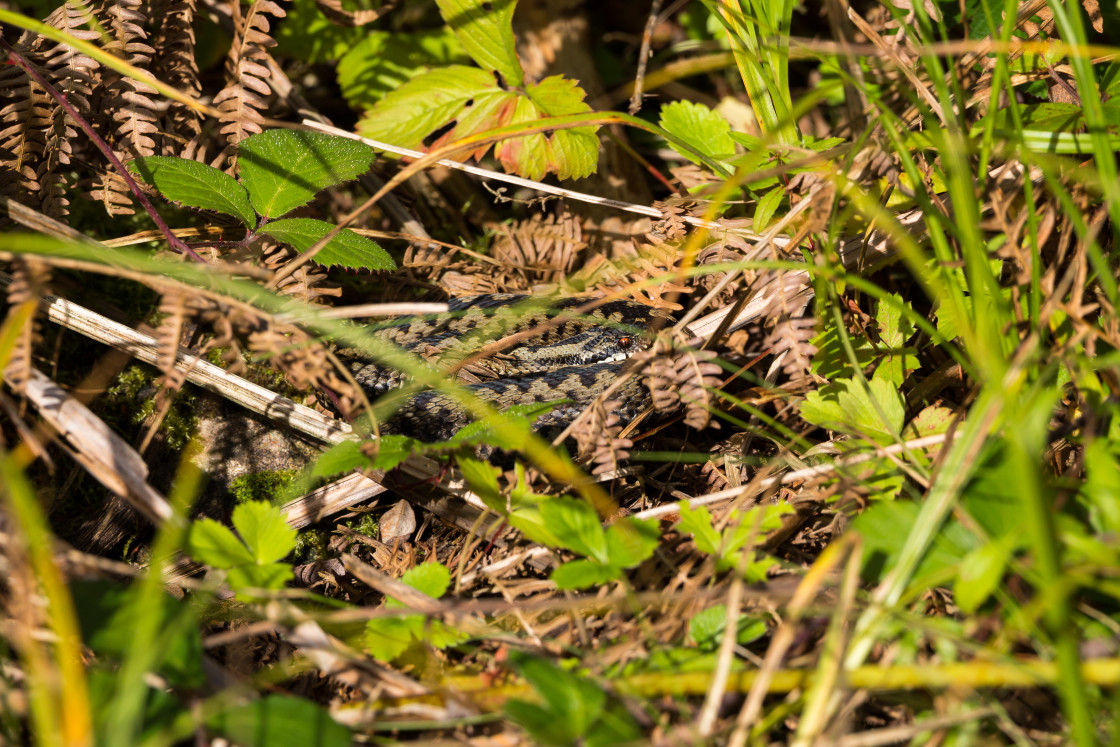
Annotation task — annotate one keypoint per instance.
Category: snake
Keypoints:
(558, 355)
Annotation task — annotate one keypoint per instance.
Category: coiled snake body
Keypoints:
(575, 357)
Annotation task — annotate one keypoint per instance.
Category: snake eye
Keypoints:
(625, 342)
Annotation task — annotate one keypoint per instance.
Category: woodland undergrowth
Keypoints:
(875, 497)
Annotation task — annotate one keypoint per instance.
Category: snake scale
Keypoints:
(575, 358)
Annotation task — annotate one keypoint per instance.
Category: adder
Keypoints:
(574, 359)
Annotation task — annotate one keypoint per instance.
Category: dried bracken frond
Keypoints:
(539, 250)
(468, 283)
(791, 341)
(306, 283)
(22, 141)
(224, 322)
(682, 376)
(29, 280)
(174, 308)
(303, 360)
(247, 89)
(656, 259)
(671, 226)
(175, 64)
(36, 138)
(597, 438)
(333, 10)
(126, 101)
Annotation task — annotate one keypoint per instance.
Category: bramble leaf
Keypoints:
(581, 574)
(347, 249)
(483, 479)
(875, 411)
(698, 522)
(270, 576)
(279, 721)
(214, 544)
(196, 185)
(389, 637)
(486, 34)
(264, 531)
(700, 127)
(471, 100)
(383, 61)
(577, 526)
(631, 541)
(341, 457)
(432, 579)
(284, 169)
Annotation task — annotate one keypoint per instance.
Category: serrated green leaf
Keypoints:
(767, 206)
(347, 249)
(1101, 489)
(279, 721)
(214, 544)
(831, 359)
(980, 572)
(574, 703)
(310, 36)
(706, 628)
(485, 29)
(284, 169)
(341, 457)
(483, 480)
(270, 576)
(631, 541)
(427, 103)
(930, 421)
(196, 185)
(262, 527)
(885, 528)
(471, 99)
(698, 523)
(529, 522)
(430, 578)
(894, 330)
(700, 127)
(875, 411)
(392, 450)
(577, 526)
(383, 61)
(389, 637)
(583, 574)
(440, 635)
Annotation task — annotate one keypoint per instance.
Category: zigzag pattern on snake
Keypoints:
(575, 359)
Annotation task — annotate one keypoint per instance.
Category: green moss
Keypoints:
(267, 485)
(129, 398)
(311, 545)
(364, 525)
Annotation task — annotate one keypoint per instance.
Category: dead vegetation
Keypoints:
(820, 375)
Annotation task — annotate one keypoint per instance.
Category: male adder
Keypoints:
(575, 358)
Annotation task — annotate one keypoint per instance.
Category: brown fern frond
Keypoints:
(22, 142)
(597, 438)
(169, 335)
(36, 139)
(540, 250)
(175, 63)
(247, 89)
(29, 282)
(224, 322)
(792, 339)
(127, 102)
(679, 376)
(306, 283)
